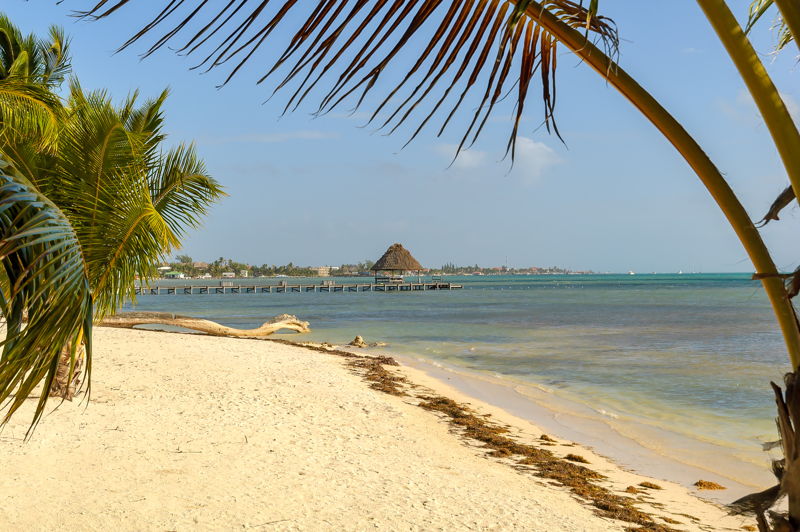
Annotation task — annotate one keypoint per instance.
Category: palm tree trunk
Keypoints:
(67, 379)
(765, 94)
(790, 10)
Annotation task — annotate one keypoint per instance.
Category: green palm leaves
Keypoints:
(129, 199)
(90, 200)
(42, 274)
(30, 69)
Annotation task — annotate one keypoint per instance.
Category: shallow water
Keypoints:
(680, 364)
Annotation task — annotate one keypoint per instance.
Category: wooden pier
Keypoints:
(288, 288)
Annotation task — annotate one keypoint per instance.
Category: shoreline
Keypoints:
(561, 417)
(187, 431)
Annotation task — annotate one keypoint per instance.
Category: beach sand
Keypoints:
(188, 432)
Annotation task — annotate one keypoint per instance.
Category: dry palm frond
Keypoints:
(467, 43)
(781, 202)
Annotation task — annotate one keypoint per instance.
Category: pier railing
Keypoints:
(229, 288)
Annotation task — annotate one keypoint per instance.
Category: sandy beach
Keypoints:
(187, 432)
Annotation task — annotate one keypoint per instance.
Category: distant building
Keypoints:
(244, 273)
(163, 269)
(174, 275)
(200, 265)
(323, 271)
(228, 275)
(206, 276)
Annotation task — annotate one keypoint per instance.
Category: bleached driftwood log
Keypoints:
(128, 320)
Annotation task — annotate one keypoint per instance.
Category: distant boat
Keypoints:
(680, 272)
(631, 272)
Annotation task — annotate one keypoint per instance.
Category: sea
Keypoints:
(667, 374)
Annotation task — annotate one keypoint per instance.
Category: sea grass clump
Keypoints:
(650, 485)
(576, 458)
(708, 485)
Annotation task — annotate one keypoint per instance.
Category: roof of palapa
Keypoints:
(397, 258)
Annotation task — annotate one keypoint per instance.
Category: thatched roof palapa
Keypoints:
(397, 258)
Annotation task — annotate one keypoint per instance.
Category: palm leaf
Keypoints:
(758, 8)
(43, 275)
(355, 43)
(28, 112)
(181, 189)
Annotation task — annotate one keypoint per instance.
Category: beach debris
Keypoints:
(128, 320)
(358, 341)
(650, 485)
(768, 446)
(378, 344)
(580, 480)
(545, 437)
(576, 458)
(708, 485)
(632, 489)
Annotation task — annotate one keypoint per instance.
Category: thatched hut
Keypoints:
(394, 262)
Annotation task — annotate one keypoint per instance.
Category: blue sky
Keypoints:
(614, 197)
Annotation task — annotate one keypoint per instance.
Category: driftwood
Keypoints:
(786, 470)
(128, 320)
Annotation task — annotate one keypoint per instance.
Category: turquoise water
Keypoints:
(682, 359)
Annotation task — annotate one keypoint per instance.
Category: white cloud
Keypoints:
(466, 160)
(273, 138)
(532, 160)
(746, 108)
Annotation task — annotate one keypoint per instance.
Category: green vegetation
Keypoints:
(92, 200)
(191, 268)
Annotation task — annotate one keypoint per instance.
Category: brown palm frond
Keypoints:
(780, 203)
(354, 43)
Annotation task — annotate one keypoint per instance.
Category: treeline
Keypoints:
(191, 268)
(451, 269)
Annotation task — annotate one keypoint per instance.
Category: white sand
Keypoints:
(195, 433)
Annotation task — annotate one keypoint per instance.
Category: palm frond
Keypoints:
(355, 43)
(758, 8)
(756, 11)
(43, 275)
(182, 190)
(28, 112)
(129, 203)
(55, 62)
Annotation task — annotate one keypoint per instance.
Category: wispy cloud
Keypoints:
(533, 159)
(466, 160)
(744, 108)
(273, 138)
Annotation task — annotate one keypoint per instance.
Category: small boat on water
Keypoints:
(631, 272)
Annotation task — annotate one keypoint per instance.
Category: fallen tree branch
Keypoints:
(128, 320)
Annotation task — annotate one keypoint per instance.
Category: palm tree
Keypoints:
(43, 278)
(129, 199)
(476, 43)
(121, 200)
(30, 70)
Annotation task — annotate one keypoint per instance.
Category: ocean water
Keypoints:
(676, 364)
